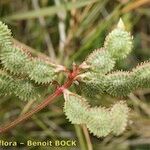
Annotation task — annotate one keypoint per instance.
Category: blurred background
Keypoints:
(66, 31)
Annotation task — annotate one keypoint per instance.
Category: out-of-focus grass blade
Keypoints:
(49, 11)
(3, 2)
(144, 11)
(91, 16)
(134, 5)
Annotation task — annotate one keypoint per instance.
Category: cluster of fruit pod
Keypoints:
(23, 75)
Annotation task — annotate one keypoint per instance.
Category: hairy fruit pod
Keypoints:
(75, 108)
(100, 61)
(15, 60)
(22, 88)
(141, 75)
(119, 84)
(42, 72)
(119, 115)
(5, 35)
(118, 43)
(99, 121)
(91, 84)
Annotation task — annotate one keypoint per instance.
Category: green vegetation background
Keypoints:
(67, 31)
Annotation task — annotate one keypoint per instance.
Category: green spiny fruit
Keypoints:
(42, 72)
(18, 62)
(6, 84)
(91, 84)
(141, 75)
(5, 35)
(100, 61)
(90, 89)
(99, 121)
(75, 108)
(26, 90)
(119, 84)
(119, 117)
(14, 60)
(21, 88)
(119, 42)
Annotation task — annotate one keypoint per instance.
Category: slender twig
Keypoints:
(48, 100)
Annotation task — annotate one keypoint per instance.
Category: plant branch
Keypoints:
(42, 105)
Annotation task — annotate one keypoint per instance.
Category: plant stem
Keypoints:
(80, 136)
(87, 137)
(42, 105)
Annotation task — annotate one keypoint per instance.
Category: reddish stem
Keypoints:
(42, 105)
